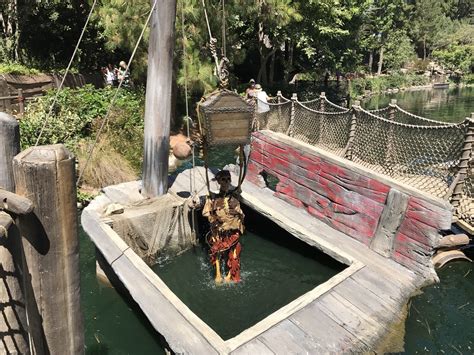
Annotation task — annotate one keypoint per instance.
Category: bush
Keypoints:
(77, 116)
(381, 83)
(19, 69)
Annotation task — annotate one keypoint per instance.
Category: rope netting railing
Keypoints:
(417, 151)
(465, 210)
(273, 116)
(328, 130)
(425, 157)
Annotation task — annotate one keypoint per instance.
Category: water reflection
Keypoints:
(448, 105)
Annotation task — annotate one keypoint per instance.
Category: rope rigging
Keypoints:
(65, 74)
(106, 118)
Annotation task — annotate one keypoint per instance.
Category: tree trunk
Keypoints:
(272, 68)
(288, 60)
(158, 99)
(371, 61)
(379, 70)
(424, 48)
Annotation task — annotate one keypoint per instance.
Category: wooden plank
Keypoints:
(390, 220)
(333, 159)
(326, 331)
(372, 304)
(230, 124)
(287, 338)
(252, 348)
(289, 309)
(356, 322)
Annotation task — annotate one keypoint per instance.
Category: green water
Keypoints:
(441, 319)
(271, 257)
(448, 105)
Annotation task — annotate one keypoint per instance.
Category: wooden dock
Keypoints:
(388, 258)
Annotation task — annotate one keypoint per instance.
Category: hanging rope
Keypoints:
(106, 118)
(192, 175)
(45, 123)
(224, 45)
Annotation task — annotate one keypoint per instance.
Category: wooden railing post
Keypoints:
(13, 318)
(392, 109)
(322, 101)
(290, 131)
(352, 130)
(46, 175)
(21, 101)
(458, 188)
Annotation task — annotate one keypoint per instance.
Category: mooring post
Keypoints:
(158, 99)
(290, 131)
(352, 130)
(458, 189)
(392, 109)
(13, 325)
(46, 175)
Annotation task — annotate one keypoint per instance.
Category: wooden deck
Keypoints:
(352, 315)
(351, 312)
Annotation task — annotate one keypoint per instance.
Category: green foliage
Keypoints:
(398, 50)
(16, 68)
(380, 84)
(79, 113)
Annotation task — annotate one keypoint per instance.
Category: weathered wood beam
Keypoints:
(46, 174)
(158, 99)
(14, 203)
(9, 147)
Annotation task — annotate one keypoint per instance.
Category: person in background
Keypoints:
(123, 74)
(262, 106)
(110, 75)
(250, 92)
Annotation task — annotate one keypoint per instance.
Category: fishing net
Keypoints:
(153, 226)
(327, 130)
(274, 117)
(425, 157)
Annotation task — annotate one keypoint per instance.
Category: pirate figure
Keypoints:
(226, 226)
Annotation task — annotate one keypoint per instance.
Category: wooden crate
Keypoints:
(225, 118)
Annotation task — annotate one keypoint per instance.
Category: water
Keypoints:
(270, 258)
(448, 105)
(441, 319)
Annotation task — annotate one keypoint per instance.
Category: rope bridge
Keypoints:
(432, 156)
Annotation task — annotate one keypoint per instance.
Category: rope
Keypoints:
(91, 149)
(65, 74)
(212, 40)
(192, 175)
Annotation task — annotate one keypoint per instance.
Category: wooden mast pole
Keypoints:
(158, 98)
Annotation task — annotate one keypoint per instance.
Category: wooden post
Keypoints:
(9, 147)
(391, 111)
(13, 326)
(290, 131)
(158, 99)
(352, 131)
(21, 101)
(46, 175)
(322, 102)
(279, 110)
(463, 166)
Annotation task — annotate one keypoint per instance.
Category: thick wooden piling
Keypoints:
(13, 325)
(46, 175)
(9, 147)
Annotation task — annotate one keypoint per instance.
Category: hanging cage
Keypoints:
(225, 118)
